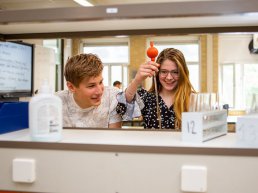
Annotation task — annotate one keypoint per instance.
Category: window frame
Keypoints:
(98, 42)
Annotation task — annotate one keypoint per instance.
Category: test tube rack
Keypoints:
(203, 126)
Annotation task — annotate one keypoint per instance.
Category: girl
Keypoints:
(173, 86)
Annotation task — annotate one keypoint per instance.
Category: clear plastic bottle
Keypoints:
(45, 115)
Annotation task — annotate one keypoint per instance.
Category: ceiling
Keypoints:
(34, 4)
(55, 16)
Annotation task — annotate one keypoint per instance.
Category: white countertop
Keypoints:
(127, 137)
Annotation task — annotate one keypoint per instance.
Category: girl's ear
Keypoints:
(70, 86)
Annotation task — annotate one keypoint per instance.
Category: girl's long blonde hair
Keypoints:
(184, 87)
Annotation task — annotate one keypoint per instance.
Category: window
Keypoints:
(56, 45)
(115, 57)
(190, 49)
(227, 84)
(238, 83)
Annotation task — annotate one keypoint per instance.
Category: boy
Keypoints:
(87, 103)
(117, 84)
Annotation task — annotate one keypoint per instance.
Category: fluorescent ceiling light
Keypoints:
(83, 3)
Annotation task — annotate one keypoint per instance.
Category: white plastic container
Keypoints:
(45, 116)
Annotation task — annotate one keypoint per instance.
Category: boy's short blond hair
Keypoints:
(82, 66)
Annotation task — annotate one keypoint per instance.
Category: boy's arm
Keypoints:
(115, 125)
(115, 120)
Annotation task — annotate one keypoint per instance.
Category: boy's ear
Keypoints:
(70, 86)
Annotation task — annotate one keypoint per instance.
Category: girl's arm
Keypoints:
(146, 70)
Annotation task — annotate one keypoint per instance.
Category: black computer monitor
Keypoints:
(16, 70)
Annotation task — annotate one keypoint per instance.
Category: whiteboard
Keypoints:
(15, 67)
